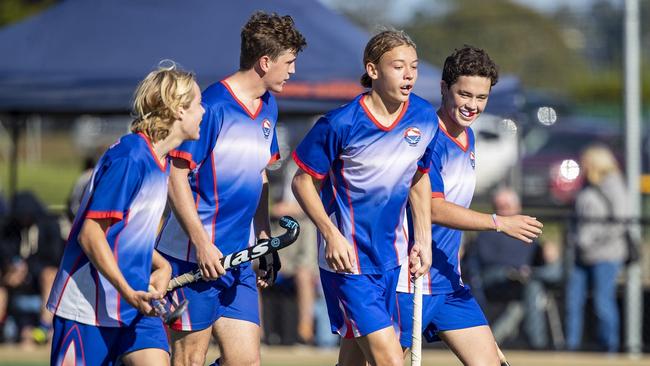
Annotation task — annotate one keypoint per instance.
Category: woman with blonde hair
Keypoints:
(600, 247)
(101, 297)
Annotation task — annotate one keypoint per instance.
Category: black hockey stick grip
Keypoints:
(246, 255)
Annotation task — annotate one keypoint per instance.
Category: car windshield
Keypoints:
(562, 142)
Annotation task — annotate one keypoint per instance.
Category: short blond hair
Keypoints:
(158, 98)
(598, 161)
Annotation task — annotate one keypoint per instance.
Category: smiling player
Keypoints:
(449, 311)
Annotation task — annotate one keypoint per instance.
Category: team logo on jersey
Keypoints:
(412, 135)
(472, 159)
(266, 128)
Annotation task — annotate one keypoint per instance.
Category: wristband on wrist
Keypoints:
(496, 223)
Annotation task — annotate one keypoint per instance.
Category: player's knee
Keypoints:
(250, 359)
(194, 359)
(485, 361)
(396, 360)
(393, 359)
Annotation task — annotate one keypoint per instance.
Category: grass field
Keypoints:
(307, 356)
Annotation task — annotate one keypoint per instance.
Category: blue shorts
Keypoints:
(360, 304)
(458, 310)
(233, 295)
(89, 345)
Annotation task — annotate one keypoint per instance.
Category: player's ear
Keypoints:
(443, 87)
(180, 112)
(265, 63)
(371, 70)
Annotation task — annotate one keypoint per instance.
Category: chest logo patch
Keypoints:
(266, 128)
(472, 159)
(412, 135)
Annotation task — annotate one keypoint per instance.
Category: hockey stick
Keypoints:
(234, 259)
(502, 357)
(416, 337)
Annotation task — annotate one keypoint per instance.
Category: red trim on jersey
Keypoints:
(216, 199)
(198, 196)
(153, 152)
(65, 284)
(115, 215)
(96, 309)
(306, 168)
(455, 140)
(437, 195)
(72, 343)
(183, 155)
(354, 240)
(275, 157)
(405, 106)
(117, 240)
(423, 170)
(251, 115)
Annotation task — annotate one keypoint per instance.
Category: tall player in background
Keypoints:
(218, 189)
(366, 159)
(101, 293)
(449, 311)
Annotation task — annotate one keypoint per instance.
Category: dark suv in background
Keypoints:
(550, 168)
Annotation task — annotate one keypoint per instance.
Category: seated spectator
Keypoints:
(504, 269)
(30, 250)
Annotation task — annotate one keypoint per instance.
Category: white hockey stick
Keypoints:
(416, 338)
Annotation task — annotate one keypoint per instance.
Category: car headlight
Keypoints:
(569, 169)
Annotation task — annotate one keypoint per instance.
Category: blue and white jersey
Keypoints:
(367, 171)
(226, 166)
(128, 186)
(452, 178)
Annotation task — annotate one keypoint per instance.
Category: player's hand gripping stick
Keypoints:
(235, 259)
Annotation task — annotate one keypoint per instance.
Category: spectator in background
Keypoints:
(30, 250)
(600, 247)
(300, 260)
(505, 269)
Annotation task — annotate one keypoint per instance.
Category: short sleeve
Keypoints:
(275, 150)
(196, 151)
(318, 150)
(115, 185)
(425, 160)
(435, 176)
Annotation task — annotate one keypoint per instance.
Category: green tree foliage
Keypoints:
(521, 41)
(14, 10)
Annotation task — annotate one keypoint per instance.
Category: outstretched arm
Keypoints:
(522, 227)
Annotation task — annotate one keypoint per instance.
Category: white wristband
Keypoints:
(496, 223)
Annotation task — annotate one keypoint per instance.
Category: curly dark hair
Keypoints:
(469, 61)
(270, 35)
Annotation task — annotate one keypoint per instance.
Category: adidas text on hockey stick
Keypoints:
(246, 255)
